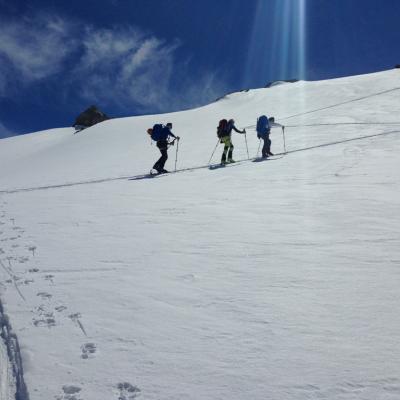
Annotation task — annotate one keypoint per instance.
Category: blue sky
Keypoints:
(133, 57)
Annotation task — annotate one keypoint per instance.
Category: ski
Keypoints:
(217, 166)
(150, 175)
(270, 158)
(210, 167)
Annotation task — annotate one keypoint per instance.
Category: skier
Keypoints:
(263, 129)
(161, 134)
(225, 136)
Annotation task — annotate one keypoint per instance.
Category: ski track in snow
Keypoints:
(190, 169)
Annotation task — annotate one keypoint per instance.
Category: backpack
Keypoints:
(222, 128)
(157, 132)
(262, 126)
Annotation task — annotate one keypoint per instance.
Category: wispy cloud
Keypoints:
(141, 67)
(34, 48)
(122, 66)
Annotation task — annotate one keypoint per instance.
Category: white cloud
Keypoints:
(141, 68)
(105, 46)
(120, 66)
(34, 48)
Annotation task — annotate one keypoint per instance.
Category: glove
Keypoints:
(178, 138)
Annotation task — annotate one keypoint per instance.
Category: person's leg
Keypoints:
(265, 147)
(269, 147)
(226, 141)
(159, 165)
(163, 159)
(230, 152)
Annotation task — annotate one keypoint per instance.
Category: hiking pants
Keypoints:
(266, 150)
(163, 147)
(228, 148)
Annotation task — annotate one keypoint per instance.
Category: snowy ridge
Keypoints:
(262, 280)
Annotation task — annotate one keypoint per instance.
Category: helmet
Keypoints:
(149, 131)
(169, 125)
(231, 121)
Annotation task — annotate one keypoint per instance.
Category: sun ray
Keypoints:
(278, 44)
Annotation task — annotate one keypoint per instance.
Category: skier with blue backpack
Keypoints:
(161, 134)
(263, 129)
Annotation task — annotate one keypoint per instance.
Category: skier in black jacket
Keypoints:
(227, 141)
(162, 145)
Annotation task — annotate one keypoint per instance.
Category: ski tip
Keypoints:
(216, 166)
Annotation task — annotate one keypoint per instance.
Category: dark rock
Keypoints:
(90, 117)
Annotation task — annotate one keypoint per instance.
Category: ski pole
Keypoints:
(176, 153)
(247, 148)
(284, 141)
(259, 145)
(213, 152)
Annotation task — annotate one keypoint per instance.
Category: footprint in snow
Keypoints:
(44, 295)
(45, 317)
(127, 391)
(47, 322)
(70, 392)
(88, 349)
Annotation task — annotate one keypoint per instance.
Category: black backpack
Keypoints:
(222, 128)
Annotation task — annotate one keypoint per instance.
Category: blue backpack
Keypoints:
(156, 134)
(262, 126)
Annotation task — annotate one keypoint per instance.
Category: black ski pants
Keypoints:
(163, 147)
(266, 150)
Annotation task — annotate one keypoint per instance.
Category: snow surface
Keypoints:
(270, 280)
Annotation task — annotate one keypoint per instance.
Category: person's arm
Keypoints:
(175, 137)
(237, 130)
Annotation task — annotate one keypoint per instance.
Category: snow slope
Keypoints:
(270, 280)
